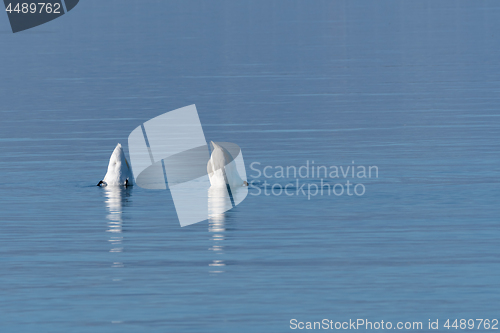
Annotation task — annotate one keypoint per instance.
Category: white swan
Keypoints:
(221, 168)
(119, 172)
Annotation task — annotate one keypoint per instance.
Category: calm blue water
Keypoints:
(411, 87)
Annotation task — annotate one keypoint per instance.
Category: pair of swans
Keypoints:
(221, 171)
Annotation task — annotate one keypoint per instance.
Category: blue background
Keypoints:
(409, 86)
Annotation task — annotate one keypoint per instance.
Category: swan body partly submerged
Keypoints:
(221, 168)
(119, 172)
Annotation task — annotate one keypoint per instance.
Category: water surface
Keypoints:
(411, 87)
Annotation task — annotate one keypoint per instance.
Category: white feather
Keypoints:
(119, 172)
(218, 166)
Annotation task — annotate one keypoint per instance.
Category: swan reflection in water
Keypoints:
(117, 197)
(218, 203)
